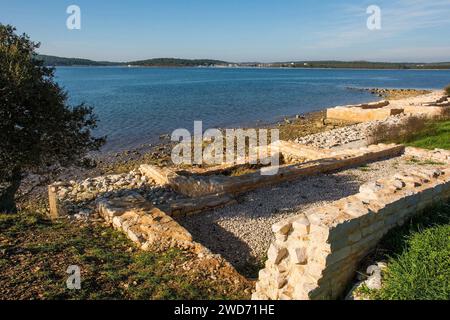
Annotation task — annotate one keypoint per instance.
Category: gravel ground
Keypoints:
(242, 233)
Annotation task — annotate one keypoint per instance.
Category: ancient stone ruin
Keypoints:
(438, 106)
(312, 254)
(316, 254)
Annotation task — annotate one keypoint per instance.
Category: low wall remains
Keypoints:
(324, 161)
(428, 111)
(354, 114)
(384, 109)
(153, 230)
(316, 254)
(144, 224)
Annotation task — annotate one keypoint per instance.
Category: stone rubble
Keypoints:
(361, 132)
(372, 279)
(80, 197)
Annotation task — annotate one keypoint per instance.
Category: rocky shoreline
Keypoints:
(393, 94)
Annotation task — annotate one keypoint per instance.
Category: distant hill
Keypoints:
(59, 61)
(158, 62)
(173, 62)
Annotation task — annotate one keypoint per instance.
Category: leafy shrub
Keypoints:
(386, 132)
(447, 90)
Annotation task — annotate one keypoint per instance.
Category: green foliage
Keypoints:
(37, 127)
(172, 62)
(59, 61)
(418, 253)
(434, 135)
(422, 271)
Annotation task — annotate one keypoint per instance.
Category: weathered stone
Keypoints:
(275, 254)
(374, 280)
(282, 227)
(398, 184)
(355, 236)
(355, 209)
(324, 255)
(301, 225)
(299, 256)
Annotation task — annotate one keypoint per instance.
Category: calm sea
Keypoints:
(137, 105)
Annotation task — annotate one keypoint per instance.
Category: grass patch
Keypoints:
(427, 162)
(434, 135)
(365, 168)
(418, 258)
(415, 132)
(35, 254)
(422, 271)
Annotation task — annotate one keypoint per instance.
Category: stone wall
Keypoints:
(315, 255)
(428, 111)
(361, 114)
(382, 110)
(324, 161)
(151, 229)
(144, 224)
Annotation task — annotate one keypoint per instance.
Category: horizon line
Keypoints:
(256, 61)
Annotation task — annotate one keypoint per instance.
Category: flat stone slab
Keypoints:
(354, 114)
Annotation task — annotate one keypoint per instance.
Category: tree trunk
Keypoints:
(8, 194)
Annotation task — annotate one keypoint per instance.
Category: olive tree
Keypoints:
(37, 126)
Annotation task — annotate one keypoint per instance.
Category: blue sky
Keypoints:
(237, 30)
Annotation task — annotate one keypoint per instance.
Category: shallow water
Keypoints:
(136, 105)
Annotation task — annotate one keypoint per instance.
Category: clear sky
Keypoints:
(237, 30)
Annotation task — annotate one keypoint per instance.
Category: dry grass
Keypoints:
(35, 254)
(399, 132)
(415, 132)
(447, 90)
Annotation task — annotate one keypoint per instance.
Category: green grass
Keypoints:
(427, 162)
(418, 258)
(435, 135)
(365, 168)
(422, 271)
(35, 254)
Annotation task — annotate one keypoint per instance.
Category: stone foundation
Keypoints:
(153, 230)
(438, 107)
(324, 160)
(428, 111)
(358, 114)
(316, 254)
(144, 224)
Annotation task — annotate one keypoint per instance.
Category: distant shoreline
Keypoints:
(208, 63)
(243, 67)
